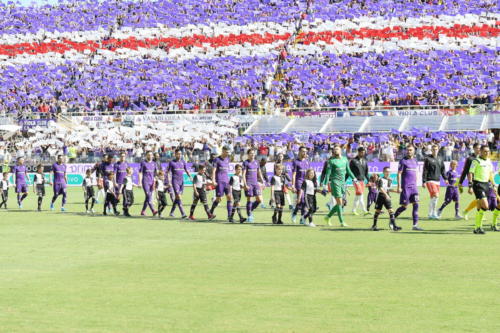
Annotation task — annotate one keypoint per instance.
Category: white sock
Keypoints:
(287, 197)
(355, 203)
(362, 203)
(332, 201)
(435, 199)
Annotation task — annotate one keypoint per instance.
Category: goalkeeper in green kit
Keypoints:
(336, 170)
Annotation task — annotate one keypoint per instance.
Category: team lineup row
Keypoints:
(115, 183)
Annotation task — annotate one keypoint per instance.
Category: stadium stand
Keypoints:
(84, 56)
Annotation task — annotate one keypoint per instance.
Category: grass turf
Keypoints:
(67, 272)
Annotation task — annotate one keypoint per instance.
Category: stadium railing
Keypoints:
(343, 111)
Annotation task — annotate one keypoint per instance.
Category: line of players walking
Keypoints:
(115, 183)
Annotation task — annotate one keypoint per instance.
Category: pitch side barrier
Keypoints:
(76, 172)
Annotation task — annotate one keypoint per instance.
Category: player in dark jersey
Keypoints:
(431, 177)
(359, 167)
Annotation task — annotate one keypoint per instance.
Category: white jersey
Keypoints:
(199, 181)
(278, 182)
(160, 185)
(128, 183)
(88, 182)
(5, 184)
(39, 179)
(236, 182)
(385, 185)
(309, 187)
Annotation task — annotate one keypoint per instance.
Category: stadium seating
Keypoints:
(128, 55)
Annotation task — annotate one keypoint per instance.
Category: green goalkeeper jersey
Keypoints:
(337, 169)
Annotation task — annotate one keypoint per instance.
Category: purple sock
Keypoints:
(399, 211)
(457, 207)
(229, 208)
(19, 199)
(414, 214)
(174, 205)
(249, 208)
(255, 204)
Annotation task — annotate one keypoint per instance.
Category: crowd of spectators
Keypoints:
(98, 56)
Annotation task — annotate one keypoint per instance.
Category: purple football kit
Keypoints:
(452, 193)
(148, 170)
(105, 168)
(20, 173)
(221, 176)
(299, 167)
(409, 189)
(120, 169)
(252, 170)
(59, 171)
(176, 168)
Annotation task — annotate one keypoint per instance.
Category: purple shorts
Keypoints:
(222, 189)
(408, 195)
(59, 188)
(253, 190)
(148, 188)
(21, 188)
(372, 196)
(451, 194)
(178, 188)
(492, 201)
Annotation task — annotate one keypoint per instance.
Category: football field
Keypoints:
(68, 272)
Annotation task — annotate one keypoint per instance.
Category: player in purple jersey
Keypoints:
(120, 170)
(167, 183)
(176, 169)
(452, 192)
(299, 169)
(251, 176)
(101, 169)
(59, 182)
(407, 184)
(147, 174)
(220, 179)
(21, 174)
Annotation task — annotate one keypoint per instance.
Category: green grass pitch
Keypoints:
(67, 272)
